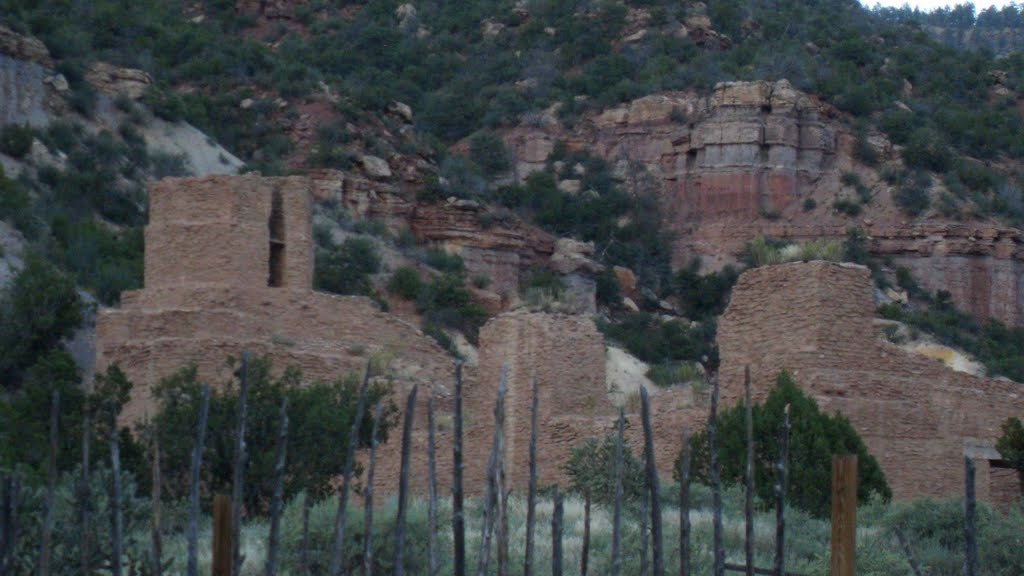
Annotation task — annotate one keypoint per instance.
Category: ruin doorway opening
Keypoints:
(277, 253)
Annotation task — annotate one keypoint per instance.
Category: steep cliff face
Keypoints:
(748, 150)
(761, 158)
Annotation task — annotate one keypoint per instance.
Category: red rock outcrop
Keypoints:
(918, 418)
(743, 161)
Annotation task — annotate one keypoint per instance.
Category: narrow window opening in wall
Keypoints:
(277, 254)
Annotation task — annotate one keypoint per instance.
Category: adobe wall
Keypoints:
(207, 299)
(567, 354)
(917, 417)
(215, 230)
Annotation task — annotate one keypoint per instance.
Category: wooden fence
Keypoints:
(228, 560)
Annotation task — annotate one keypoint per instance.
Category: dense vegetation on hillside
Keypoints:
(460, 79)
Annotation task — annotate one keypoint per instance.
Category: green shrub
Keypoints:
(38, 310)
(704, 296)
(815, 436)
(16, 140)
(445, 262)
(405, 283)
(1011, 445)
(346, 268)
(591, 470)
(607, 289)
(654, 342)
(848, 207)
(488, 152)
(810, 204)
(912, 194)
(320, 415)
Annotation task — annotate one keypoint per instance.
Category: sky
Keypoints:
(932, 4)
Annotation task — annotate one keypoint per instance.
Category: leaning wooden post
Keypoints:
(432, 560)
(51, 487)
(844, 515)
(780, 496)
(556, 535)
(241, 459)
(531, 494)
(970, 521)
(156, 552)
(494, 490)
(221, 535)
(85, 495)
(617, 514)
(716, 482)
(116, 518)
(458, 517)
(501, 518)
(197, 464)
(684, 505)
(748, 509)
(277, 503)
(403, 484)
(368, 493)
(338, 548)
(653, 485)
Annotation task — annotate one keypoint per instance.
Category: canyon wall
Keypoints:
(917, 417)
(761, 158)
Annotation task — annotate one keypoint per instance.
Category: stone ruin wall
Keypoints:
(207, 298)
(917, 417)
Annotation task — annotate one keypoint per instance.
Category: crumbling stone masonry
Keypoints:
(918, 417)
(229, 266)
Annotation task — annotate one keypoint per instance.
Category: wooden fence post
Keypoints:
(307, 507)
(556, 535)
(653, 485)
(748, 509)
(338, 547)
(531, 491)
(51, 487)
(277, 502)
(494, 490)
(222, 535)
(684, 505)
(156, 551)
(617, 515)
(844, 515)
(780, 497)
(241, 458)
(403, 484)
(716, 483)
(116, 517)
(970, 522)
(432, 560)
(458, 516)
(368, 493)
(85, 496)
(9, 523)
(197, 464)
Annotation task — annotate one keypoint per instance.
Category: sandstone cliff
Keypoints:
(761, 158)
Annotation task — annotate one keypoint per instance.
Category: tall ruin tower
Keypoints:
(229, 267)
(240, 231)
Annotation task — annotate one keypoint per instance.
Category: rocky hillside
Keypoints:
(618, 157)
